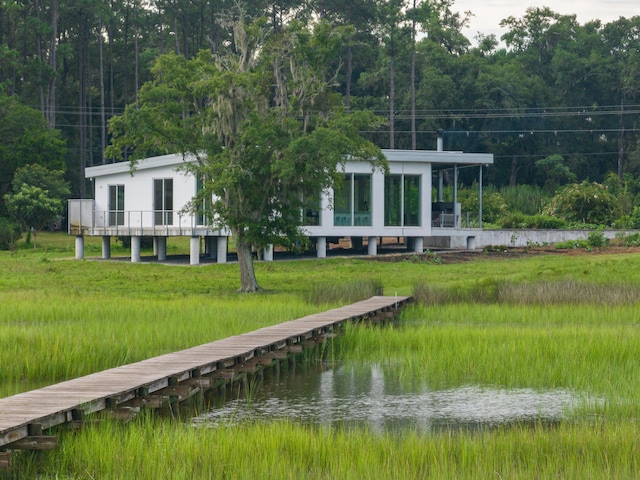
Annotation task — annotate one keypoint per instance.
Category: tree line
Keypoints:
(551, 87)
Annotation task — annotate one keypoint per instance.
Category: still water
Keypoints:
(376, 398)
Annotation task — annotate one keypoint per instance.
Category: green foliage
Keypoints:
(555, 172)
(571, 245)
(629, 221)
(527, 199)
(331, 293)
(544, 222)
(9, 234)
(25, 138)
(596, 239)
(37, 197)
(586, 202)
(493, 206)
(632, 240)
(270, 105)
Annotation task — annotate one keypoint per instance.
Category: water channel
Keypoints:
(356, 396)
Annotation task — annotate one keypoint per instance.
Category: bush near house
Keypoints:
(586, 202)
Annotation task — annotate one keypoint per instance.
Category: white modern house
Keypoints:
(406, 202)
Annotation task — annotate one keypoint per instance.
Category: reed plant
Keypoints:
(567, 291)
(543, 322)
(336, 292)
(157, 449)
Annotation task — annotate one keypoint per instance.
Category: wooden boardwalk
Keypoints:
(23, 417)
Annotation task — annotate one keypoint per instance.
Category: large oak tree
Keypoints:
(264, 123)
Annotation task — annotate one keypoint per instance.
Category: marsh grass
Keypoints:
(540, 322)
(344, 293)
(155, 449)
(567, 291)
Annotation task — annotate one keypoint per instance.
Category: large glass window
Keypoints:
(402, 200)
(352, 203)
(163, 201)
(411, 186)
(116, 205)
(393, 200)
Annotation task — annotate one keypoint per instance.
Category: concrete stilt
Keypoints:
(222, 249)
(321, 247)
(194, 251)
(79, 247)
(135, 249)
(418, 244)
(106, 247)
(268, 253)
(161, 248)
(372, 247)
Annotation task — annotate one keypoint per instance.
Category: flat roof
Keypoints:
(413, 156)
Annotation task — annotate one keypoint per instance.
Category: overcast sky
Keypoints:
(488, 13)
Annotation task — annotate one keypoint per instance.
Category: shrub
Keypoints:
(571, 244)
(596, 239)
(584, 203)
(527, 199)
(518, 220)
(632, 240)
(493, 206)
(9, 234)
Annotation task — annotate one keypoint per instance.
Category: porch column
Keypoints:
(106, 247)
(79, 247)
(321, 247)
(267, 253)
(222, 249)
(135, 249)
(194, 251)
(372, 246)
(161, 248)
(418, 244)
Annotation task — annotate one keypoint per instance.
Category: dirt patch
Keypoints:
(460, 256)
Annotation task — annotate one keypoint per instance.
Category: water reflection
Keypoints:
(357, 396)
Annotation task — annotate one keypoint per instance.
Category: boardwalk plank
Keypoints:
(55, 404)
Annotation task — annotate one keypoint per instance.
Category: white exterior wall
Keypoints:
(377, 227)
(139, 208)
(138, 192)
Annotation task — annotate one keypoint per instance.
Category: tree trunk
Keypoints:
(248, 282)
(514, 171)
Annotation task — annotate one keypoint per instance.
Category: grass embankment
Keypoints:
(572, 332)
